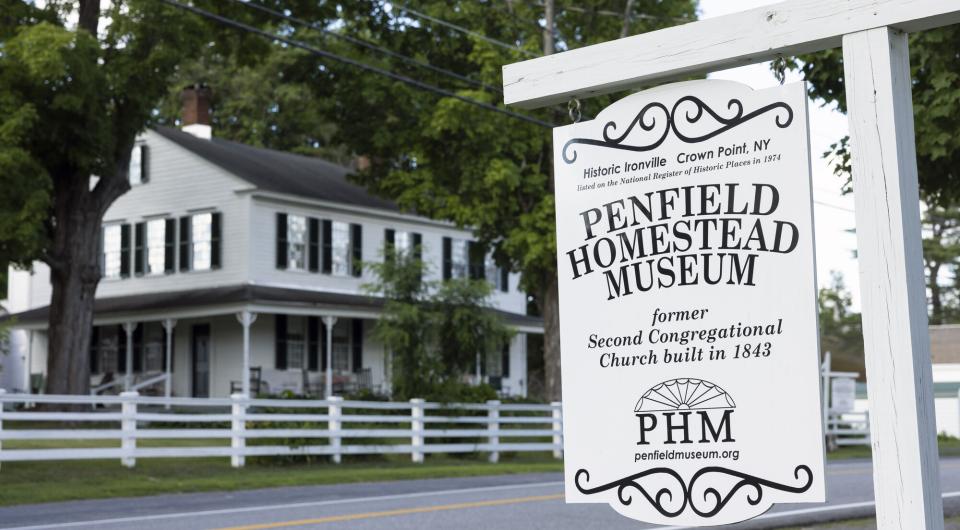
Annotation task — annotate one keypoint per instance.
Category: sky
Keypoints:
(832, 211)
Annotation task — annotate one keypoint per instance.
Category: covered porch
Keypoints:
(251, 340)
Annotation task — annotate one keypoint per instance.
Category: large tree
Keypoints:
(935, 69)
(77, 84)
(451, 160)
(441, 156)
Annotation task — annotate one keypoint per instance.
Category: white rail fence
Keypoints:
(848, 428)
(271, 427)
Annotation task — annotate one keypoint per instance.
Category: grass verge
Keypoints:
(35, 482)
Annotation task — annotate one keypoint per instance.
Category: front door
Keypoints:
(200, 352)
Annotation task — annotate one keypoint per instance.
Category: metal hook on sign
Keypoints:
(573, 108)
(780, 69)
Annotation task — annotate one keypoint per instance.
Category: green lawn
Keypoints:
(32, 482)
(948, 447)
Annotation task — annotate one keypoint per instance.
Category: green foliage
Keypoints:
(941, 256)
(935, 69)
(436, 331)
(841, 330)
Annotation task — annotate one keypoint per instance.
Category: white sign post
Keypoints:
(688, 300)
(877, 75)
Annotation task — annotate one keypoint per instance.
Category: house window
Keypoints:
(341, 249)
(403, 243)
(112, 251)
(460, 258)
(156, 246)
(296, 342)
(138, 161)
(297, 242)
(108, 349)
(201, 241)
(154, 347)
(341, 347)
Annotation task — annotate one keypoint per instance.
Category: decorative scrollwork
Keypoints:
(685, 490)
(648, 122)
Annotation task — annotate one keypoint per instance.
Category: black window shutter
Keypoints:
(282, 252)
(314, 238)
(417, 246)
(169, 245)
(418, 252)
(185, 243)
(94, 350)
(139, 247)
(138, 348)
(504, 279)
(124, 251)
(447, 258)
(280, 333)
(356, 240)
(505, 359)
(216, 231)
(313, 349)
(144, 153)
(327, 265)
(389, 239)
(121, 349)
(323, 347)
(357, 345)
(483, 364)
(476, 260)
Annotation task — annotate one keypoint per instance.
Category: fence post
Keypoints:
(128, 424)
(416, 425)
(335, 411)
(238, 427)
(493, 424)
(557, 430)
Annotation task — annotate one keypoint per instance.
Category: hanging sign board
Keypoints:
(843, 392)
(691, 385)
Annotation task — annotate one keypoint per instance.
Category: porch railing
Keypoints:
(273, 427)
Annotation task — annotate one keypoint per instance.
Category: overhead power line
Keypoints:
(368, 45)
(352, 62)
(463, 30)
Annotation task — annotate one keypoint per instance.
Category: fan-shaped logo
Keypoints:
(684, 394)
(666, 409)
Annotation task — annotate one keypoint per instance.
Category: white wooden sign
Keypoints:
(688, 304)
(843, 393)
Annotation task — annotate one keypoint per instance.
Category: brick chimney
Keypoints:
(195, 111)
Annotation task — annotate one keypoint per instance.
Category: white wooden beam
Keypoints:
(757, 35)
(906, 474)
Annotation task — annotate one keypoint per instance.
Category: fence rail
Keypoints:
(274, 427)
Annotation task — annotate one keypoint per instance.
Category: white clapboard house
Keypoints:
(217, 240)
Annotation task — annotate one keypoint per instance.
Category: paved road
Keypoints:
(531, 501)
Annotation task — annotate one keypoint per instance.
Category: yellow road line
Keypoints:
(391, 513)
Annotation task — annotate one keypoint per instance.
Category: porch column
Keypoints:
(329, 322)
(29, 362)
(128, 328)
(246, 319)
(168, 326)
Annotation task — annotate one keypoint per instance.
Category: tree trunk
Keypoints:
(74, 275)
(936, 294)
(551, 340)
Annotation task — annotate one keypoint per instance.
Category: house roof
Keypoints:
(233, 295)
(280, 172)
(945, 344)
